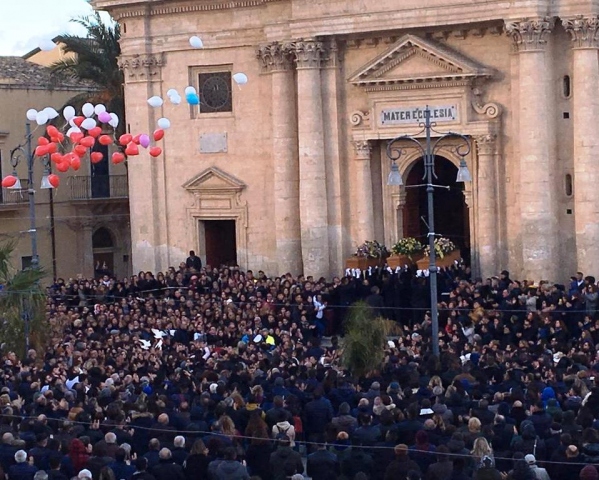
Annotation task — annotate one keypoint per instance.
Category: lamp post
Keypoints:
(428, 153)
(18, 154)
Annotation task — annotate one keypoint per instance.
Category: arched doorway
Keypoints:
(103, 247)
(450, 209)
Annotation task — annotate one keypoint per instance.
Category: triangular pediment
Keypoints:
(214, 179)
(413, 61)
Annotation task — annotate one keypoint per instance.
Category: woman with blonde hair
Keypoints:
(481, 449)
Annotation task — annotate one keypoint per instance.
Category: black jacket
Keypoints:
(167, 470)
(322, 465)
(281, 457)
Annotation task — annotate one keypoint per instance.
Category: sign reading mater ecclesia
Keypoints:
(408, 115)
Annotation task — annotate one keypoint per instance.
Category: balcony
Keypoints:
(98, 187)
(11, 199)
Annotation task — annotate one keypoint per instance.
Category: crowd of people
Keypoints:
(203, 373)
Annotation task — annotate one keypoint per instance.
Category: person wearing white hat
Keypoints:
(538, 472)
(84, 474)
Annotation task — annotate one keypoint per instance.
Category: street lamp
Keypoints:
(394, 179)
(18, 154)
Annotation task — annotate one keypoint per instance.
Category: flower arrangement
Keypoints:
(443, 246)
(372, 249)
(407, 246)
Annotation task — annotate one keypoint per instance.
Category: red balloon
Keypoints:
(54, 180)
(9, 181)
(76, 163)
(59, 137)
(76, 136)
(125, 139)
(80, 150)
(96, 157)
(95, 132)
(41, 150)
(105, 140)
(78, 120)
(63, 166)
(155, 151)
(87, 142)
(158, 134)
(117, 157)
(42, 141)
(136, 138)
(56, 157)
(132, 149)
(51, 130)
(52, 147)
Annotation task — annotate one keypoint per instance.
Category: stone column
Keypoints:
(313, 185)
(537, 158)
(487, 205)
(363, 198)
(585, 88)
(277, 62)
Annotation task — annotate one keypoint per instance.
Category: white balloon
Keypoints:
(46, 45)
(196, 42)
(171, 92)
(164, 123)
(99, 108)
(240, 78)
(189, 90)
(175, 100)
(68, 112)
(31, 114)
(41, 118)
(51, 113)
(87, 110)
(88, 123)
(114, 120)
(155, 101)
(73, 130)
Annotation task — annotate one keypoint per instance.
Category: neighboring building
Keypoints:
(288, 172)
(86, 219)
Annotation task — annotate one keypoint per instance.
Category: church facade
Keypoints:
(287, 173)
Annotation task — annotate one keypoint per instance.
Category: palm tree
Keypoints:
(365, 340)
(95, 61)
(21, 294)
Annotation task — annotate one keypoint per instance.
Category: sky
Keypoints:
(23, 23)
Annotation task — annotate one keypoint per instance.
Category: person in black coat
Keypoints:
(322, 464)
(166, 468)
(398, 469)
(196, 463)
(141, 465)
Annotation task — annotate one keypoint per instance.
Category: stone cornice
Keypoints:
(583, 31)
(120, 13)
(529, 34)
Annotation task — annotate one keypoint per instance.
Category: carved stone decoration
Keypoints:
(142, 68)
(583, 31)
(275, 57)
(307, 53)
(486, 144)
(530, 34)
(490, 109)
(363, 149)
(360, 119)
(330, 54)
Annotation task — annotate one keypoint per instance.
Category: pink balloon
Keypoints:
(104, 117)
(144, 140)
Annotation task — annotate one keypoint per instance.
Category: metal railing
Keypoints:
(9, 196)
(98, 187)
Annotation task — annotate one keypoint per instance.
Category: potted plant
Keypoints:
(404, 252)
(446, 252)
(370, 254)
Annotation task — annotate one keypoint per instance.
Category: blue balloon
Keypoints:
(192, 98)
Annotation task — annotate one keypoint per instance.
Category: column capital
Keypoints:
(307, 53)
(529, 34)
(583, 31)
(363, 149)
(275, 57)
(486, 143)
(330, 54)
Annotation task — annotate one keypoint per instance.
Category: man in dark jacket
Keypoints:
(21, 470)
(166, 468)
(193, 261)
(230, 468)
(284, 457)
(322, 464)
(398, 469)
(317, 414)
(141, 473)
(122, 471)
(443, 468)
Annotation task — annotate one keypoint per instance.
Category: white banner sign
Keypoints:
(403, 116)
